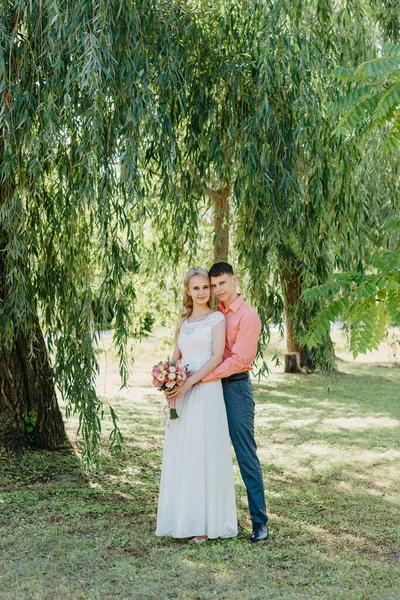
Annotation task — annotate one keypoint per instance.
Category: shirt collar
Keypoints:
(234, 307)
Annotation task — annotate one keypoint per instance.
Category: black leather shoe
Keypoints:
(260, 532)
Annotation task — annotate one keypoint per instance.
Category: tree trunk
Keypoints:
(220, 200)
(221, 224)
(290, 280)
(292, 362)
(29, 413)
(306, 358)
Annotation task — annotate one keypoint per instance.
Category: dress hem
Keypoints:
(184, 537)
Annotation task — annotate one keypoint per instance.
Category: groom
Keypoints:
(243, 326)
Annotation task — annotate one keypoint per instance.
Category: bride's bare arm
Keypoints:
(218, 345)
(176, 355)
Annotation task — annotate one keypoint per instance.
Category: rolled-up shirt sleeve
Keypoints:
(243, 350)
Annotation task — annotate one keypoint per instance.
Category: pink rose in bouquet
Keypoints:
(166, 375)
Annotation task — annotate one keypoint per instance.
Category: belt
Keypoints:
(236, 377)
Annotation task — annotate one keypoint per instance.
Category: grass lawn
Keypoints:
(329, 448)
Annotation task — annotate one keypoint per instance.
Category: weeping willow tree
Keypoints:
(370, 302)
(93, 108)
(220, 100)
(302, 193)
(82, 88)
(255, 126)
(222, 45)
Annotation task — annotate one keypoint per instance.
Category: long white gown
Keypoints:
(197, 494)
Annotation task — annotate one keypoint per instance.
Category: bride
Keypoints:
(197, 495)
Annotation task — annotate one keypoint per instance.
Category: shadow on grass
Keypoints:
(373, 392)
(55, 485)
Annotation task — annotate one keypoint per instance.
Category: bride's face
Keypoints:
(199, 290)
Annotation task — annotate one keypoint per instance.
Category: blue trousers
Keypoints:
(239, 404)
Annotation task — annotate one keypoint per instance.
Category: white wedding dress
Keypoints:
(197, 494)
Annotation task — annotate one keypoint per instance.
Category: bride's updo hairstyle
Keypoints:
(187, 300)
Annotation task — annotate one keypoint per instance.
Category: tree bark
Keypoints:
(29, 413)
(290, 280)
(292, 362)
(297, 356)
(220, 200)
(221, 224)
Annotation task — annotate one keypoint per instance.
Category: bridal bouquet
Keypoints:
(166, 375)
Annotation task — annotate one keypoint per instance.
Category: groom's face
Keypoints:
(224, 287)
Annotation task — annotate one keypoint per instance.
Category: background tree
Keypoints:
(223, 41)
(300, 191)
(369, 303)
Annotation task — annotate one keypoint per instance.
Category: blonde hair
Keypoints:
(187, 300)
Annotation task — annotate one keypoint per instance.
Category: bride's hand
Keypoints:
(178, 390)
(167, 393)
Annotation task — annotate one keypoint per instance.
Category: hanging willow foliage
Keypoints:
(304, 195)
(82, 89)
(375, 103)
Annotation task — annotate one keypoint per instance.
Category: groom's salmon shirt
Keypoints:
(243, 326)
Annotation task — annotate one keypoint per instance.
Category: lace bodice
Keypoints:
(195, 340)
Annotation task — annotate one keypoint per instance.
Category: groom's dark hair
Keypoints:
(220, 268)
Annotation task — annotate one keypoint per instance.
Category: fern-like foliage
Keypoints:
(367, 303)
(376, 99)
